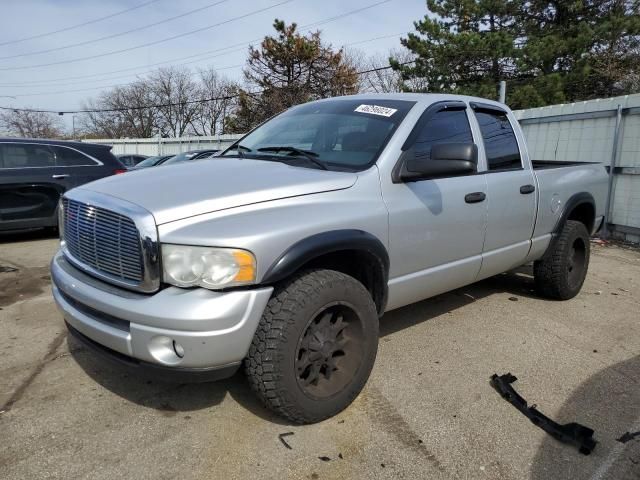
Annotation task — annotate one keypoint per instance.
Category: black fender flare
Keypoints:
(574, 201)
(314, 246)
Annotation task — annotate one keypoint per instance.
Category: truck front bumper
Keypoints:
(194, 331)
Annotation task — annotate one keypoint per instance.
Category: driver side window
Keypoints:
(446, 126)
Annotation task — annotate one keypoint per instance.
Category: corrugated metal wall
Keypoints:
(166, 146)
(585, 131)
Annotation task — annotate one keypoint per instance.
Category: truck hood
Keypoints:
(174, 192)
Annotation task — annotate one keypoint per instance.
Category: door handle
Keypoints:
(58, 177)
(526, 189)
(474, 197)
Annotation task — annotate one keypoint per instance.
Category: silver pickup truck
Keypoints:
(282, 253)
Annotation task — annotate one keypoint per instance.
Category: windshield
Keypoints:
(149, 162)
(344, 134)
(181, 157)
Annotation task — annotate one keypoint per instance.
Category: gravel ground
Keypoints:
(428, 410)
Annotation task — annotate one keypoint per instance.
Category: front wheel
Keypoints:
(561, 274)
(315, 346)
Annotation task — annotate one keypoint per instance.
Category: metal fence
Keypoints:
(166, 146)
(604, 130)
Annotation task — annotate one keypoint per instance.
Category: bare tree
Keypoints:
(31, 124)
(121, 112)
(378, 77)
(358, 61)
(174, 94)
(220, 95)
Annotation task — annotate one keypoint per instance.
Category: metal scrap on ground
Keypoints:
(570, 433)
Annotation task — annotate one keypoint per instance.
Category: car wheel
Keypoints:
(561, 273)
(315, 346)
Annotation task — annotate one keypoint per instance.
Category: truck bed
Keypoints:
(544, 164)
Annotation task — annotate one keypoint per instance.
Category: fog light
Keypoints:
(166, 350)
(178, 349)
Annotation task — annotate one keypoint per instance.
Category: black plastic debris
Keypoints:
(627, 437)
(325, 459)
(570, 433)
(282, 439)
(513, 299)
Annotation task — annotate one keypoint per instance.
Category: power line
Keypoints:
(72, 27)
(338, 17)
(115, 35)
(243, 44)
(377, 38)
(171, 104)
(102, 86)
(148, 44)
(217, 70)
(225, 50)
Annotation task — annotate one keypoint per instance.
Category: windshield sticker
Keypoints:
(376, 110)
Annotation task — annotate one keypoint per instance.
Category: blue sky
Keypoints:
(69, 81)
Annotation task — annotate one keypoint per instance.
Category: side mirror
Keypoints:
(446, 159)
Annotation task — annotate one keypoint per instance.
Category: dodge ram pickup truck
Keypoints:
(283, 253)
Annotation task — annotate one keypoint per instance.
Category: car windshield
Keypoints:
(342, 134)
(181, 157)
(149, 162)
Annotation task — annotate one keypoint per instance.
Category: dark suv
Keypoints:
(34, 173)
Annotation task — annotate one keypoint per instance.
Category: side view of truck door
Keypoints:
(511, 191)
(442, 220)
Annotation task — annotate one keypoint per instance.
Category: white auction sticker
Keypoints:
(376, 110)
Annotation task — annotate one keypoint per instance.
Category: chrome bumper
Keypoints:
(174, 327)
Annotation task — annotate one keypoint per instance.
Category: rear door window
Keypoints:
(68, 157)
(500, 144)
(25, 155)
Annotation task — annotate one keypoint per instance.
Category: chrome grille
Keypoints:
(103, 240)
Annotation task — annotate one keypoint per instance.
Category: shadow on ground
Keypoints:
(609, 403)
(167, 397)
(170, 398)
(517, 283)
(22, 236)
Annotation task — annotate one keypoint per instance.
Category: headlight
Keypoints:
(186, 266)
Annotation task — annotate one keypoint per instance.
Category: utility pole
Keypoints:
(612, 166)
(503, 92)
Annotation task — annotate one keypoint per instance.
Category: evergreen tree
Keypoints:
(547, 51)
(464, 46)
(289, 69)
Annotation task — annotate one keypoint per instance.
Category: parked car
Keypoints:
(34, 173)
(190, 155)
(152, 162)
(284, 252)
(130, 161)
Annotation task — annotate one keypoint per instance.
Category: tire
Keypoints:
(315, 346)
(561, 273)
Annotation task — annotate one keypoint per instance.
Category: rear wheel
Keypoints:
(561, 274)
(315, 346)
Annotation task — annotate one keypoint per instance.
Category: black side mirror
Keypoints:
(446, 159)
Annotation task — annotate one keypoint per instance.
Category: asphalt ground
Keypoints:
(428, 410)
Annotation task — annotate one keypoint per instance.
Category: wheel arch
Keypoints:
(354, 252)
(580, 207)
